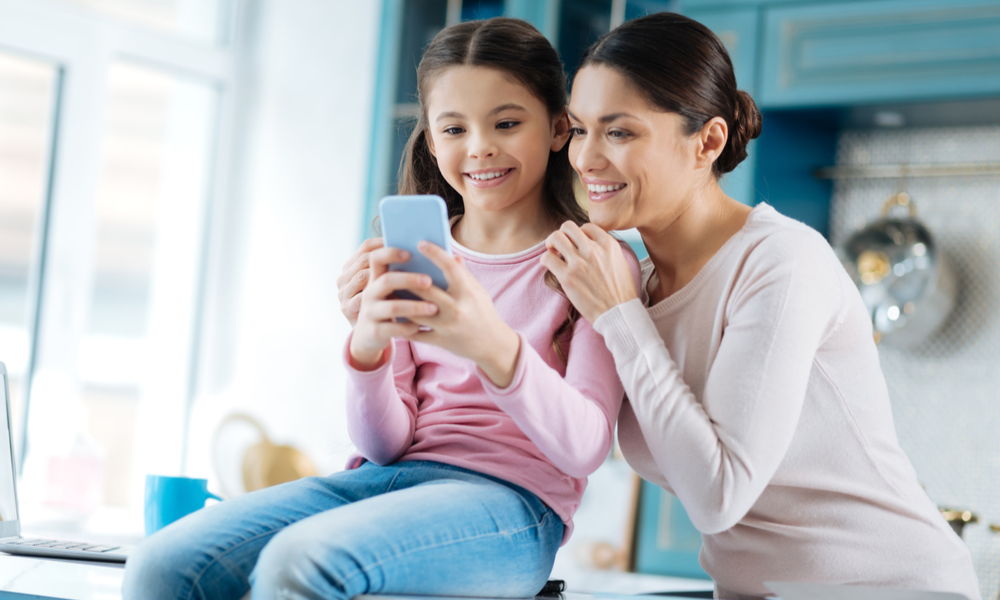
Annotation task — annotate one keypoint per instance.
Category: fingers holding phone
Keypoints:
(354, 278)
(380, 308)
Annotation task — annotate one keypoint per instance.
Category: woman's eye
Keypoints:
(507, 124)
(617, 134)
(576, 131)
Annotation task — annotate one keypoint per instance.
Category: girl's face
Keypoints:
(635, 160)
(491, 137)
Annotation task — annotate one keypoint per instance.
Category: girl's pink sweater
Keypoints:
(546, 431)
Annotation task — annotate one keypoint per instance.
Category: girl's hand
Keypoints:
(376, 325)
(590, 265)
(467, 323)
(354, 278)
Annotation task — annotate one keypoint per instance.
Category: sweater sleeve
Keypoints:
(717, 453)
(382, 406)
(571, 419)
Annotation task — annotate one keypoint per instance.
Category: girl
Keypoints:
(478, 420)
(754, 388)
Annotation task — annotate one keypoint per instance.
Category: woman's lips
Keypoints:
(488, 183)
(599, 191)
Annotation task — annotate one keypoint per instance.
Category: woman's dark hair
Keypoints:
(683, 68)
(517, 49)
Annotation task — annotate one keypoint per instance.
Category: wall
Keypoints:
(272, 330)
(943, 391)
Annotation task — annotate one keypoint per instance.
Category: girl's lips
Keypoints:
(488, 183)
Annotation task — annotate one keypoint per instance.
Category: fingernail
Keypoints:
(404, 255)
(425, 281)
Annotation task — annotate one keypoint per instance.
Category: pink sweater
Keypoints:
(546, 431)
(756, 397)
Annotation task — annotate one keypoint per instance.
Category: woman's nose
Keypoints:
(586, 156)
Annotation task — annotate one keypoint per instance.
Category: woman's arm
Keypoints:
(719, 452)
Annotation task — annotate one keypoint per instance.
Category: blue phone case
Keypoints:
(408, 220)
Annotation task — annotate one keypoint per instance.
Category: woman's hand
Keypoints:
(376, 324)
(354, 278)
(467, 323)
(590, 265)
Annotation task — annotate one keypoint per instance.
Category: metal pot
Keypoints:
(906, 285)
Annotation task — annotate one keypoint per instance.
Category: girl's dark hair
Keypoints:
(682, 67)
(517, 49)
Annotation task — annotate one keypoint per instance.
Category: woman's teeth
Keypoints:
(488, 176)
(604, 188)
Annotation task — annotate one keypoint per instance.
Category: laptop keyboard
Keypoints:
(62, 545)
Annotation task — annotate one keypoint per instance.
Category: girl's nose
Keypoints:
(482, 146)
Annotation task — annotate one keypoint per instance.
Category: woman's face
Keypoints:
(639, 167)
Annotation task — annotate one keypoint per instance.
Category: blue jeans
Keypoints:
(409, 528)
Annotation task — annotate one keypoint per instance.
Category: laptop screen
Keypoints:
(8, 498)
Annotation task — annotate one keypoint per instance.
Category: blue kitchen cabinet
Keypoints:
(879, 51)
(737, 29)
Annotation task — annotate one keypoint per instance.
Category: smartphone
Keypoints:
(409, 220)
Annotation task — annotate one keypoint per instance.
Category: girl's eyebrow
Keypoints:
(604, 119)
(457, 115)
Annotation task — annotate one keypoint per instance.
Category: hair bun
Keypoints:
(746, 126)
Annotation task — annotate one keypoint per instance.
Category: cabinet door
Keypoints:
(879, 52)
(737, 28)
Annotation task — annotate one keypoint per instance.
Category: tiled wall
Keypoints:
(946, 391)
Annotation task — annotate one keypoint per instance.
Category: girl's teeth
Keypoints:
(600, 189)
(487, 176)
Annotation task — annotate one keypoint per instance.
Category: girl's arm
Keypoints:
(382, 406)
(571, 419)
(720, 451)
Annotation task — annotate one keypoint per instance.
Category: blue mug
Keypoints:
(170, 498)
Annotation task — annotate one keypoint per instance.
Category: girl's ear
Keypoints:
(711, 141)
(560, 131)
(430, 142)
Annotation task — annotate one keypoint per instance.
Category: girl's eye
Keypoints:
(576, 131)
(453, 130)
(507, 124)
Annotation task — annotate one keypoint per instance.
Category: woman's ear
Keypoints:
(430, 142)
(560, 131)
(712, 141)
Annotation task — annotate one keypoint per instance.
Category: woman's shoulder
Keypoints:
(771, 239)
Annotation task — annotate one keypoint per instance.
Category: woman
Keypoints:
(754, 389)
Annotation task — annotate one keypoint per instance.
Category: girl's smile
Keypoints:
(487, 178)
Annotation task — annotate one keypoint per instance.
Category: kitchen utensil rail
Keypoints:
(900, 171)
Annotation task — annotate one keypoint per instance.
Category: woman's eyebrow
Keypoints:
(604, 119)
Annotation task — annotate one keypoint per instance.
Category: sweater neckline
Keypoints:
(684, 294)
(496, 259)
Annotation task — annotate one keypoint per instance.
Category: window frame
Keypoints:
(82, 44)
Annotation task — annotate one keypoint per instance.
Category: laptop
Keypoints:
(10, 525)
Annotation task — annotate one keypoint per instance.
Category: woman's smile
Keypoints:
(599, 190)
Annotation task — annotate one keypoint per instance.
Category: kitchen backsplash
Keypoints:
(945, 392)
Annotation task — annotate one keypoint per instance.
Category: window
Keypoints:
(199, 20)
(27, 99)
(102, 248)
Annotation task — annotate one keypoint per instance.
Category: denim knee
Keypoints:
(294, 565)
(154, 571)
